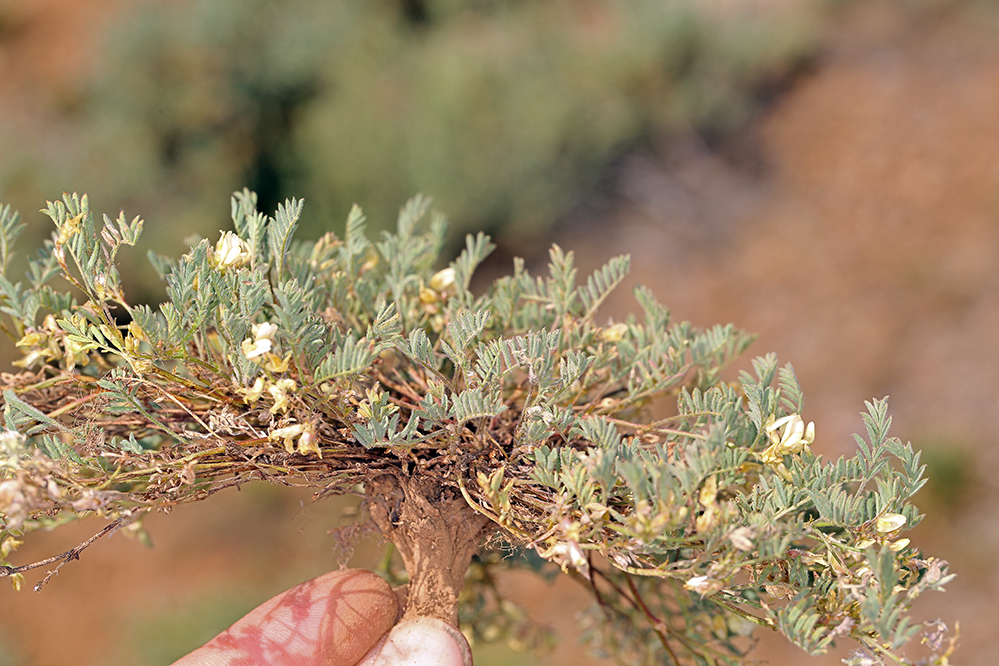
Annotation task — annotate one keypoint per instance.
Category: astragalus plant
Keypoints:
(511, 421)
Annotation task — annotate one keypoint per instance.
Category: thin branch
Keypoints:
(68, 556)
(659, 626)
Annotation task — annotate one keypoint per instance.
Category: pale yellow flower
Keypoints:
(230, 251)
(253, 393)
(788, 435)
(13, 504)
(613, 333)
(277, 365)
(9, 545)
(256, 348)
(76, 353)
(288, 434)
(41, 346)
(567, 554)
(307, 442)
(261, 343)
(889, 522)
(33, 339)
(32, 357)
(136, 331)
(443, 280)
(279, 391)
(263, 331)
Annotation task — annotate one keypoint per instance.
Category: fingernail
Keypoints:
(425, 641)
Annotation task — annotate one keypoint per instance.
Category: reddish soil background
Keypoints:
(861, 241)
(865, 250)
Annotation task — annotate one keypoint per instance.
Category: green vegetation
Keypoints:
(507, 112)
(508, 420)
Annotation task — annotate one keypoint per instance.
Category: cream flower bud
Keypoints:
(613, 333)
(890, 522)
(443, 280)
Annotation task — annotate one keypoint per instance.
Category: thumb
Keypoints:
(422, 641)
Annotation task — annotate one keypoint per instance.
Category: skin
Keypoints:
(343, 618)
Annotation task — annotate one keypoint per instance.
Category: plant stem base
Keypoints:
(435, 531)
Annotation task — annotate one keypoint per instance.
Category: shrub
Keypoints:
(506, 420)
(507, 120)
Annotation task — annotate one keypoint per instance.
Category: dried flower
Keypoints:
(288, 434)
(742, 538)
(704, 585)
(142, 366)
(69, 228)
(279, 391)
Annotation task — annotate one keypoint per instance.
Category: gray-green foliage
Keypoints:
(325, 363)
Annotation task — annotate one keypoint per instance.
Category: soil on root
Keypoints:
(436, 533)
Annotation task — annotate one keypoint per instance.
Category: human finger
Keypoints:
(331, 620)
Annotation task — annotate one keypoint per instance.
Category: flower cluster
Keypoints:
(788, 436)
(304, 432)
(49, 343)
(230, 251)
(258, 348)
(279, 390)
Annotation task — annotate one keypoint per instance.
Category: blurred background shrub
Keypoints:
(506, 112)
